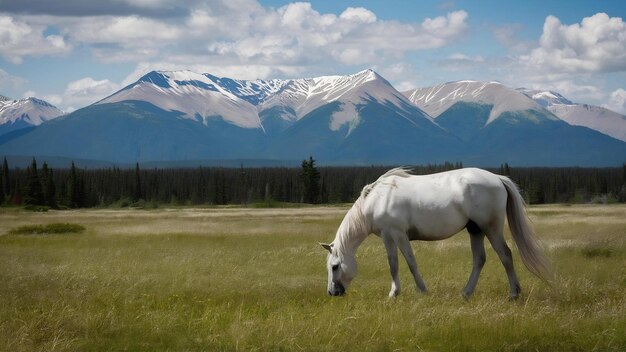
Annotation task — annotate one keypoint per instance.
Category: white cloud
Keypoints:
(77, 94)
(597, 44)
(459, 62)
(463, 57)
(358, 14)
(19, 39)
(292, 40)
(507, 36)
(10, 82)
(87, 90)
(126, 31)
(243, 32)
(617, 101)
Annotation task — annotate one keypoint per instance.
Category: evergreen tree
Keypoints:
(505, 170)
(47, 184)
(310, 177)
(2, 192)
(5, 189)
(622, 190)
(16, 196)
(33, 194)
(74, 192)
(137, 189)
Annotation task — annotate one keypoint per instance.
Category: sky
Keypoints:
(75, 52)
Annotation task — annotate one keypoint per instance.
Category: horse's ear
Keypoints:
(328, 247)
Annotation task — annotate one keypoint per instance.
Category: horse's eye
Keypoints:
(335, 267)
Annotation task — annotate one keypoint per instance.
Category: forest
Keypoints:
(42, 187)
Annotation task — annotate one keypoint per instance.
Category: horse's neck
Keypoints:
(352, 231)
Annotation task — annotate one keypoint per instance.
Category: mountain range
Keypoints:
(358, 119)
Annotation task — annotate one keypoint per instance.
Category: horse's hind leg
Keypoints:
(504, 253)
(477, 238)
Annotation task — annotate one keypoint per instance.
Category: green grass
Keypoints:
(55, 228)
(254, 279)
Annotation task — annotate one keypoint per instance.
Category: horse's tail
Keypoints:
(523, 234)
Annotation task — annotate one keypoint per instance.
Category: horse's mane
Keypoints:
(353, 226)
(355, 223)
(398, 171)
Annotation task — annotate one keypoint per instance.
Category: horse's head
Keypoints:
(341, 270)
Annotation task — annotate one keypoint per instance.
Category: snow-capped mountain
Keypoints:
(23, 113)
(193, 94)
(243, 103)
(437, 99)
(595, 117)
(306, 95)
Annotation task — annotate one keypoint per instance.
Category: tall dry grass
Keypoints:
(254, 279)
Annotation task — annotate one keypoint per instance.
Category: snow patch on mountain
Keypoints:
(437, 99)
(545, 98)
(346, 115)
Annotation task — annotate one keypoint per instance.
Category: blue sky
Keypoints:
(75, 52)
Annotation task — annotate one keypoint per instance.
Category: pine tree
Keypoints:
(16, 196)
(5, 190)
(2, 194)
(49, 189)
(137, 188)
(33, 194)
(505, 170)
(310, 177)
(73, 196)
(622, 191)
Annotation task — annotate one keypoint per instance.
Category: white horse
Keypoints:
(400, 207)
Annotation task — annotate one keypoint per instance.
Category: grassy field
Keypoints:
(255, 279)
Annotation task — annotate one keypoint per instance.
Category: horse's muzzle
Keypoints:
(338, 290)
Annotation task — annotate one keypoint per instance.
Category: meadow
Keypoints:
(255, 279)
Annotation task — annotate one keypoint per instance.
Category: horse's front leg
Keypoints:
(392, 256)
(407, 252)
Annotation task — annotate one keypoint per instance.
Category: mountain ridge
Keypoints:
(595, 117)
(357, 119)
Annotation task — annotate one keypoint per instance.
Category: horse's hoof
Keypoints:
(466, 295)
(515, 293)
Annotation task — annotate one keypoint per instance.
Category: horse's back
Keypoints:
(441, 203)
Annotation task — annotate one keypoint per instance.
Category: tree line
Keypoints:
(84, 188)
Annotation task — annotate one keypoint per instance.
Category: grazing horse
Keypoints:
(400, 207)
